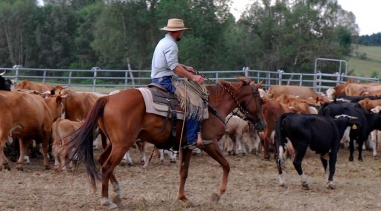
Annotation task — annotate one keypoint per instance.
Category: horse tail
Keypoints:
(80, 146)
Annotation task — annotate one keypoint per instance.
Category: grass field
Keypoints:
(368, 66)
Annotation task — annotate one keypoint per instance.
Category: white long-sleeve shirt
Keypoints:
(165, 57)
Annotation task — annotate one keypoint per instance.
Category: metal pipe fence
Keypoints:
(104, 81)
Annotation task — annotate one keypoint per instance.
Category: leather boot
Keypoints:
(199, 142)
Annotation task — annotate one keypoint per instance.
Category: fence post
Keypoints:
(280, 72)
(44, 77)
(69, 81)
(246, 70)
(337, 78)
(126, 79)
(95, 77)
(16, 67)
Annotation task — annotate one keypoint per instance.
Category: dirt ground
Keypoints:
(253, 185)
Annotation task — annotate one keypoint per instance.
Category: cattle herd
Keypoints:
(297, 120)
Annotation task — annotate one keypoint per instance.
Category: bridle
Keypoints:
(255, 93)
(256, 118)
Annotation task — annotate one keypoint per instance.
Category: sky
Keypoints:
(367, 13)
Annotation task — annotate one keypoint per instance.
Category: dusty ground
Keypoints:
(253, 185)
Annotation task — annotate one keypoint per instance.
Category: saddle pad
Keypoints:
(157, 108)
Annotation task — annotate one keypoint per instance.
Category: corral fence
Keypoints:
(105, 81)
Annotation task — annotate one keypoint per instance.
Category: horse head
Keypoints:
(250, 103)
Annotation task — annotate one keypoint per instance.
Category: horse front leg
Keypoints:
(185, 156)
(214, 151)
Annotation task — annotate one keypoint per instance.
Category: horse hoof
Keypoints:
(47, 167)
(330, 186)
(375, 157)
(172, 161)
(105, 202)
(215, 197)
(117, 199)
(130, 164)
(283, 185)
(20, 168)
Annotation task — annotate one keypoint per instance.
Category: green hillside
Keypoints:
(365, 61)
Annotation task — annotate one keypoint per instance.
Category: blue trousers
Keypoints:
(192, 126)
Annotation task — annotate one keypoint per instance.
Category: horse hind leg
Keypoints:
(109, 159)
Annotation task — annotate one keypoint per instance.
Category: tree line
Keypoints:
(113, 34)
(371, 40)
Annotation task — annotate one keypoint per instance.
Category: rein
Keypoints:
(240, 108)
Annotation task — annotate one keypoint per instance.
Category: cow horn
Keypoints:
(3, 72)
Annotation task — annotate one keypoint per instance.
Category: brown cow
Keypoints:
(300, 91)
(358, 89)
(369, 104)
(25, 84)
(338, 91)
(27, 117)
(77, 104)
(376, 93)
(271, 111)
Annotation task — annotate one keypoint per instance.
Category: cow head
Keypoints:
(353, 122)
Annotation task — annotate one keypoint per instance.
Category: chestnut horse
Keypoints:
(123, 118)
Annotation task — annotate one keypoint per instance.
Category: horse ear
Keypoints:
(256, 85)
(260, 83)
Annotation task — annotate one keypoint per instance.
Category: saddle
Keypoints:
(161, 102)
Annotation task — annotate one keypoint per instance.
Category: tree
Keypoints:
(13, 18)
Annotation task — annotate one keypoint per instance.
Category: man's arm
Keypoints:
(187, 72)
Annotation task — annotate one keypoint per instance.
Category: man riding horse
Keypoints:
(165, 66)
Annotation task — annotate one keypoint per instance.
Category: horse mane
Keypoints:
(216, 92)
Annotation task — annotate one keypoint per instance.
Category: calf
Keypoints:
(297, 132)
(271, 111)
(235, 129)
(368, 122)
(62, 132)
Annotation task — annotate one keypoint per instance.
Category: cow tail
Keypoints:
(80, 146)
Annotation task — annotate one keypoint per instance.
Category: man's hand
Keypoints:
(198, 79)
(189, 69)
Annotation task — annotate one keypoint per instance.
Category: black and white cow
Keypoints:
(368, 122)
(5, 84)
(322, 134)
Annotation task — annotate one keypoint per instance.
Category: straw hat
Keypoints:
(175, 24)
